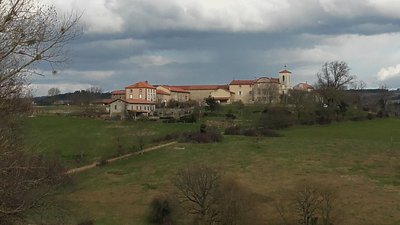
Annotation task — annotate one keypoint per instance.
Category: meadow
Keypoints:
(359, 160)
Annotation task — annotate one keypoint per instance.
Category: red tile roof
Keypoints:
(202, 87)
(133, 101)
(118, 92)
(177, 89)
(270, 80)
(108, 101)
(274, 80)
(143, 84)
(242, 82)
(303, 86)
(285, 71)
(160, 92)
(174, 88)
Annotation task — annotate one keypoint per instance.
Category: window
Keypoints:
(283, 78)
(130, 90)
(130, 96)
(240, 92)
(115, 107)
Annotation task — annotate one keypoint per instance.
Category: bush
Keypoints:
(324, 116)
(102, 162)
(371, 116)
(199, 137)
(203, 128)
(251, 132)
(191, 118)
(276, 118)
(233, 130)
(260, 131)
(160, 211)
(168, 137)
(170, 120)
(230, 115)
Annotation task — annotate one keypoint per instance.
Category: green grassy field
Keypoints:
(360, 160)
(69, 137)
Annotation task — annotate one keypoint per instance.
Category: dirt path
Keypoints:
(93, 165)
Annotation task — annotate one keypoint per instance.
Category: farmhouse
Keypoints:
(141, 98)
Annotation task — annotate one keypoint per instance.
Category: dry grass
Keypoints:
(356, 162)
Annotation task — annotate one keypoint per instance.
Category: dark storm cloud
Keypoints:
(188, 41)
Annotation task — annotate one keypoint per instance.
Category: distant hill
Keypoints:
(75, 98)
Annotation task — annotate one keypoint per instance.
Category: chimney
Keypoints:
(146, 82)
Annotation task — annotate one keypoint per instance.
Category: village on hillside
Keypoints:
(142, 97)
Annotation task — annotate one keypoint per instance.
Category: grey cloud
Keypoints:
(194, 42)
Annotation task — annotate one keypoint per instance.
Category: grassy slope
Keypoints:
(359, 159)
(68, 136)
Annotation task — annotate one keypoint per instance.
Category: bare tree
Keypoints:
(384, 97)
(53, 92)
(30, 33)
(312, 204)
(333, 79)
(212, 199)
(303, 103)
(197, 190)
(308, 202)
(94, 90)
(335, 75)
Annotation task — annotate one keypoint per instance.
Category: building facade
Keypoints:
(141, 98)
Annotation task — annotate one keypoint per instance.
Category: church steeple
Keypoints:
(285, 80)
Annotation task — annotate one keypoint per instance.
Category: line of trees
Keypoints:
(81, 97)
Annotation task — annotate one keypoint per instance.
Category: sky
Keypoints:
(215, 41)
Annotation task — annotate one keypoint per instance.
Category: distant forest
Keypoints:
(82, 97)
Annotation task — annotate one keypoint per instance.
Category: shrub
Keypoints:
(233, 130)
(371, 116)
(160, 211)
(250, 132)
(102, 162)
(168, 137)
(203, 128)
(200, 137)
(324, 116)
(276, 118)
(230, 115)
(260, 131)
(170, 120)
(191, 118)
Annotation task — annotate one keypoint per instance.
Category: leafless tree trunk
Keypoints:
(197, 192)
(30, 33)
(212, 200)
(308, 202)
(313, 203)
